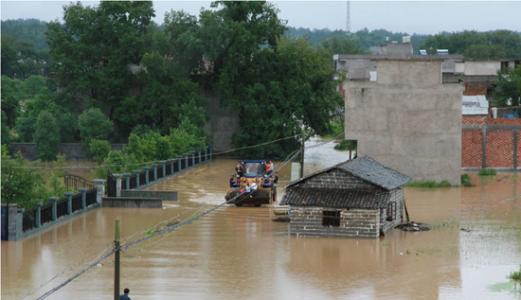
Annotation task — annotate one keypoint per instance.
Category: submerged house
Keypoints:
(356, 198)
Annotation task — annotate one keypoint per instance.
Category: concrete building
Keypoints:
(407, 118)
(357, 198)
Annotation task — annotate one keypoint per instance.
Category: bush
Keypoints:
(93, 124)
(465, 180)
(146, 146)
(117, 162)
(516, 277)
(46, 136)
(346, 145)
(429, 184)
(99, 149)
(20, 184)
(487, 172)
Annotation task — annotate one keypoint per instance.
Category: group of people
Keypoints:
(240, 168)
(240, 171)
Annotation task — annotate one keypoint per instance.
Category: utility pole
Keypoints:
(302, 154)
(116, 261)
(348, 16)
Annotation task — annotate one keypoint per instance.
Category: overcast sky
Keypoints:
(404, 16)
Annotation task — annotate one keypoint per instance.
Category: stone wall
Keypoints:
(223, 124)
(353, 222)
(407, 119)
(69, 150)
(397, 196)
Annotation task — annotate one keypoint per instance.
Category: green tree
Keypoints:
(475, 45)
(342, 45)
(93, 124)
(275, 85)
(20, 184)
(99, 149)
(47, 136)
(508, 88)
(34, 105)
(96, 53)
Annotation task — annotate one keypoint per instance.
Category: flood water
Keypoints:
(239, 253)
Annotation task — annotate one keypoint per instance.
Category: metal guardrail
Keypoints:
(74, 182)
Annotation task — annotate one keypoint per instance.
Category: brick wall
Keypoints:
(500, 149)
(471, 148)
(475, 88)
(519, 148)
(499, 142)
(474, 120)
(353, 222)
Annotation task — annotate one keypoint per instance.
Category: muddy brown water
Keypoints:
(239, 253)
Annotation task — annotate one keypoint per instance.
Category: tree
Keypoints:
(20, 184)
(47, 136)
(99, 149)
(35, 98)
(276, 85)
(95, 52)
(508, 88)
(342, 45)
(93, 124)
(475, 45)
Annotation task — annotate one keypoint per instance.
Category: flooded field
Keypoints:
(239, 253)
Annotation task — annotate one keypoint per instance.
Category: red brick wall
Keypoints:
(500, 149)
(471, 148)
(519, 149)
(471, 120)
(474, 89)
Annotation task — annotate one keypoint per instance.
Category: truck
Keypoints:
(252, 184)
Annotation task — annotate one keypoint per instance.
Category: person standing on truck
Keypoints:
(268, 168)
(239, 168)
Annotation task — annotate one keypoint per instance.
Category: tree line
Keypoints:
(115, 63)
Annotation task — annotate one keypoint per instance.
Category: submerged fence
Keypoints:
(18, 223)
(154, 172)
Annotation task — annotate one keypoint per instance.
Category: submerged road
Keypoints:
(240, 253)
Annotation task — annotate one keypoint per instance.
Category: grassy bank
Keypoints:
(429, 184)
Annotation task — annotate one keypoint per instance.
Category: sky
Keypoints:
(398, 16)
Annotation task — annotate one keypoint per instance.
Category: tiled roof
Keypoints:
(370, 170)
(337, 198)
(365, 168)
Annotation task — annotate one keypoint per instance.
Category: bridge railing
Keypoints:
(155, 171)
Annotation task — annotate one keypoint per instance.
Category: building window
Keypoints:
(331, 218)
(391, 211)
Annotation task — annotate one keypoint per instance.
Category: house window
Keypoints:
(331, 218)
(391, 211)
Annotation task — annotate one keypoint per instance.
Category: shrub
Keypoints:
(99, 149)
(429, 184)
(465, 180)
(346, 145)
(145, 146)
(47, 136)
(93, 124)
(516, 277)
(117, 162)
(20, 184)
(487, 172)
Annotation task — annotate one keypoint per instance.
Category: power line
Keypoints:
(150, 162)
(169, 227)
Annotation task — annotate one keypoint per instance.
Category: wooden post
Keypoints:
(116, 261)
